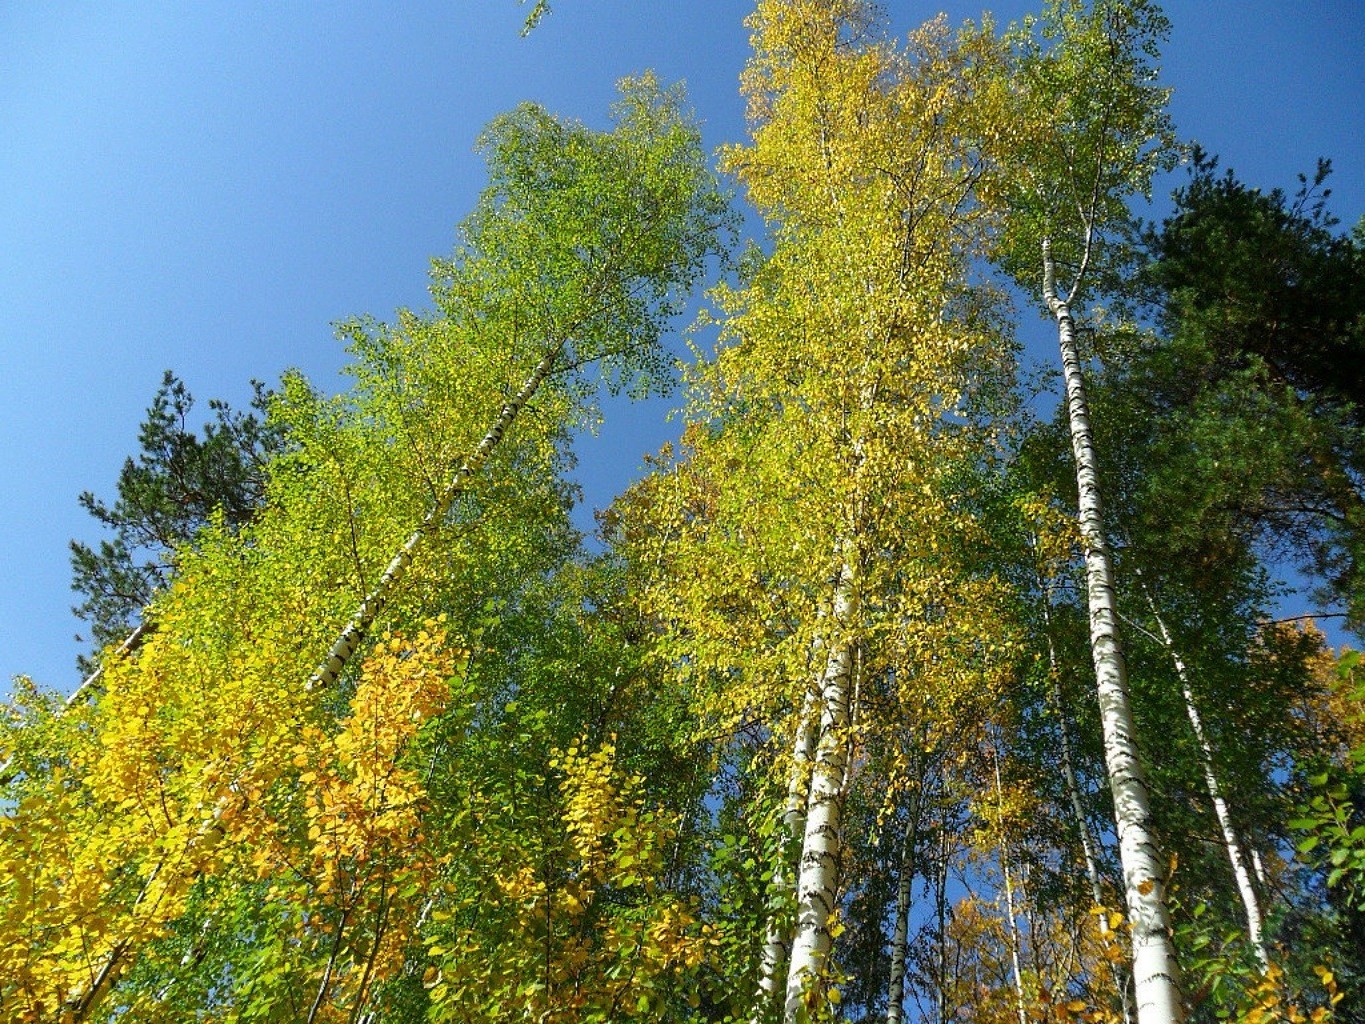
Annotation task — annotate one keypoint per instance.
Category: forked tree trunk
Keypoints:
(817, 880)
(1155, 973)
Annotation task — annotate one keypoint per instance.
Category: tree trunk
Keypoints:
(1231, 843)
(900, 927)
(1073, 787)
(777, 938)
(1002, 852)
(817, 881)
(1155, 974)
(354, 634)
(941, 912)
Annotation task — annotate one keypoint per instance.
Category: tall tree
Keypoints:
(1095, 130)
(207, 738)
(1259, 300)
(809, 541)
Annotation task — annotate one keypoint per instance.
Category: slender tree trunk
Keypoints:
(1003, 854)
(900, 928)
(941, 912)
(1259, 868)
(1231, 842)
(1073, 788)
(777, 938)
(1155, 973)
(353, 635)
(817, 881)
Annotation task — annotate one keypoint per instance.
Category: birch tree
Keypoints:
(1097, 131)
(807, 540)
(567, 273)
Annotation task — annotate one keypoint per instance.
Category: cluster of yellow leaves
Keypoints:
(585, 932)
(186, 774)
(139, 805)
(1270, 1001)
(342, 846)
(361, 801)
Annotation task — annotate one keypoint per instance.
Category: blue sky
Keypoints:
(206, 189)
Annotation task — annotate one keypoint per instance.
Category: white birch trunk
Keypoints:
(1003, 853)
(817, 882)
(1155, 973)
(777, 937)
(354, 634)
(1073, 789)
(1251, 905)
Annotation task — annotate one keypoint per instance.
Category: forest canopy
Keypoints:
(899, 688)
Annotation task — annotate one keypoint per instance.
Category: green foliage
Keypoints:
(1089, 131)
(539, 9)
(568, 787)
(178, 483)
(1333, 816)
(1264, 337)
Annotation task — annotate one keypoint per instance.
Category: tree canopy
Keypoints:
(887, 693)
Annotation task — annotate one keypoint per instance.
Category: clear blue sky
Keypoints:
(206, 188)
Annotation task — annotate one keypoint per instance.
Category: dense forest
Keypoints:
(904, 687)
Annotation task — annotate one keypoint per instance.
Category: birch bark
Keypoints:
(1002, 851)
(1232, 844)
(778, 937)
(353, 635)
(817, 881)
(900, 928)
(1155, 972)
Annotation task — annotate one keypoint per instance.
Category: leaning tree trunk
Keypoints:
(354, 634)
(817, 880)
(1155, 974)
(82, 1004)
(1251, 904)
